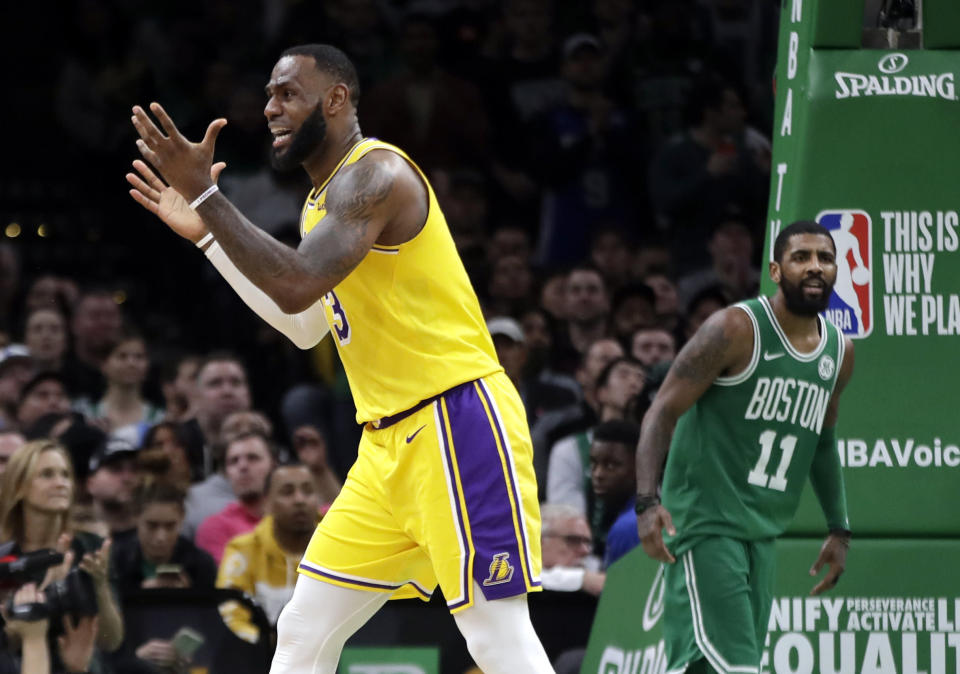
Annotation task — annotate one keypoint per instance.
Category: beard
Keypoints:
(304, 142)
(801, 305)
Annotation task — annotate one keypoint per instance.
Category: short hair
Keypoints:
(711, 292)
(653, 327)
(170, 366)
(59, 307)
(604, 377)
(799, 227)
(631, 290)
(552, 513)
(158, 492)
(332, 61)
(179, 434)
(221, 356)
(252, 433)
(590, 269)
(617, 431)
(277, 466)
(40, 378)
(94, 291)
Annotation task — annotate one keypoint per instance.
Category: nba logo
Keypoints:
(851, 303)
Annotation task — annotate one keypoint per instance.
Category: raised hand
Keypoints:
(166, 203)
(59, 572)
(97, 564)
(76, 644)
(650, 525)
(184, 165)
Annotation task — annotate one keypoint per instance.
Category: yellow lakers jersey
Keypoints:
(406, 320)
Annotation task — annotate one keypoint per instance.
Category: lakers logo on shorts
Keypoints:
(501, 571)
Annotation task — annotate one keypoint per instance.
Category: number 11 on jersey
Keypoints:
(758, 475)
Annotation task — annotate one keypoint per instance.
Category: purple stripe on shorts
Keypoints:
(497, 568)
(511, 478)
(448, 458)
(363, 583)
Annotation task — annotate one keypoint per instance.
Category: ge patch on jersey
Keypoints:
(825, 367)
(851, 303)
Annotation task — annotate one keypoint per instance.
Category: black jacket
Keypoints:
(126, 561)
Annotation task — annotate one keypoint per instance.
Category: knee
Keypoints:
(292, 626)
(495, 638)
(482, 644)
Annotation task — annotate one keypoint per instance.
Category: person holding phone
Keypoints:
(159, 557)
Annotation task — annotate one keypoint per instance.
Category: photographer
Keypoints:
(36, 493)
(75, 647)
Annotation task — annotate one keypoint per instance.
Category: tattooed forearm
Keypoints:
(699, 359)
(295, 279)
(654, 443)
(259, 256)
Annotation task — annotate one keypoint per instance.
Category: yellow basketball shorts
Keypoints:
(446, 495)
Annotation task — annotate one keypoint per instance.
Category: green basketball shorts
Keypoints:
(717, 603)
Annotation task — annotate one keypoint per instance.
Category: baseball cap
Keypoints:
(506, 326)
(13, 353)
(111, 449)
(39, 378)
(578, 40)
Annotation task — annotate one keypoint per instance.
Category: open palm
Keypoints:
(166, 203)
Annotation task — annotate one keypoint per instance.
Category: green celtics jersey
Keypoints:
(741, 455)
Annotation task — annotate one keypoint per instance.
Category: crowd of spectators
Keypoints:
(604, 172)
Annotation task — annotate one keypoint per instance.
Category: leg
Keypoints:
(708, 620)
(316, 623)
(716, 575)
(700, 667)
(500, 636)
(763, 567)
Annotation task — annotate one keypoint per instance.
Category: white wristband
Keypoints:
(207, 238)
(203, 197)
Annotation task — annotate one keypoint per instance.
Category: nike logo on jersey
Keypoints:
(772, 356)
(414, 434)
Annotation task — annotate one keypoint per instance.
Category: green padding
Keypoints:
(941, 24)
(838, 23)
(863, 624)
(357, 660)
(626, 634)
(873, 136)
(891, 156)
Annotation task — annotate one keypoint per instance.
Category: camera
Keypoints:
(17, 570)
(73, 595)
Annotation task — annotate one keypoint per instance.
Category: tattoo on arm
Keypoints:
(353, 204)
(696, 366)
(699, 360)
(654, 442)
(295, 279)
(368, 186)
